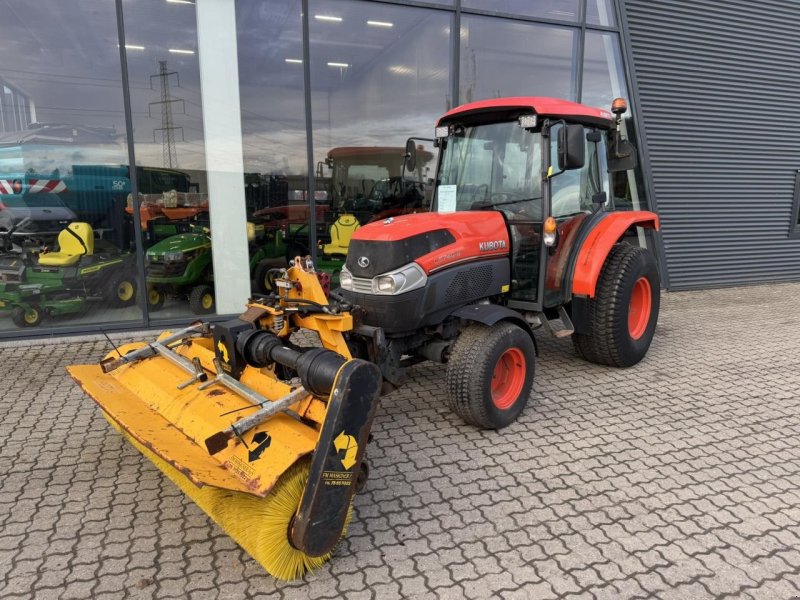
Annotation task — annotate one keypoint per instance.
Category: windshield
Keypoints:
(491, 166)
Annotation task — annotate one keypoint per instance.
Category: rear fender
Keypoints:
(593, 252)
(491, 314)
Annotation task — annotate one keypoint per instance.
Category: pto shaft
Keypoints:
(317, 367)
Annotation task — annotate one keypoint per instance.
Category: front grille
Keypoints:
(362, 285)
(469, 284)
(170, 269)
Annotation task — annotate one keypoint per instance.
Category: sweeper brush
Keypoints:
(266, 437)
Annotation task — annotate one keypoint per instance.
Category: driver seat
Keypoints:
(73, 242)
(341, 231)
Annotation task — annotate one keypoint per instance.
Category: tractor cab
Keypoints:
(544, 164)
(376, 182)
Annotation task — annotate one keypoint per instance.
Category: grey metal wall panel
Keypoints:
(719, 93)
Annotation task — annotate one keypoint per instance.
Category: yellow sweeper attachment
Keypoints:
(266, 437)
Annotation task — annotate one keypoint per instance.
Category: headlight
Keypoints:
(387, 284)
(173, 256)
(405, 279)
(346, 279)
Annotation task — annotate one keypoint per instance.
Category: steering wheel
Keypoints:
(498, 197)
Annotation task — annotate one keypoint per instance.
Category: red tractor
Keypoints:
(524, 236)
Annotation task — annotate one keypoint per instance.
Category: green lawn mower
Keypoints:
(82, 271)
(181, 266)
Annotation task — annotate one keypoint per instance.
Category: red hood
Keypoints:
(476, 234)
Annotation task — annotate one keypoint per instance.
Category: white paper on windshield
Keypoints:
(447, 198)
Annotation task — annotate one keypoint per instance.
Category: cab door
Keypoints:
(577, 200)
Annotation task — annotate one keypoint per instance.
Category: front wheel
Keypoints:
(624, 312)
(490, 374)
(201, 300)
(155, 298)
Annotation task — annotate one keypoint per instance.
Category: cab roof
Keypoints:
(510, 108)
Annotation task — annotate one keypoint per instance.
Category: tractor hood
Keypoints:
(432, 240)
(184, 242)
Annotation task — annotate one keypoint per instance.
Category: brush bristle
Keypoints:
(259, 525)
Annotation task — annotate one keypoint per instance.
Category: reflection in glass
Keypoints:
(563, 10)
(604, 80)
(170, 155)
(274, 131)
(603, 75)
(379, 76)
(600, 12)
(506, 58)
(65, 248)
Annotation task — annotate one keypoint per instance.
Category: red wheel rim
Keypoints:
(639, 308)
(508, 378)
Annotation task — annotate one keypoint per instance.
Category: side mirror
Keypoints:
(571, 147)
(621, 153)
(411, 155)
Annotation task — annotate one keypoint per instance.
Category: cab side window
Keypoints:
(572, 192)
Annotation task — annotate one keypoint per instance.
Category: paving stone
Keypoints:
(675, 479)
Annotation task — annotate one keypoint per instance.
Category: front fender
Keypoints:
(594, 250)
(491, 314)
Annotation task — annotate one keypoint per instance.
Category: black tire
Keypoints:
(263, 285)
(629, 273)
(155, 299)
(201, 300)
(121, 290)
(478, 353)
(27, 318)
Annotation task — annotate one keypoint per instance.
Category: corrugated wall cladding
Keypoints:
(719, 93)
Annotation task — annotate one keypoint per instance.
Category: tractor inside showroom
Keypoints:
(269, 437)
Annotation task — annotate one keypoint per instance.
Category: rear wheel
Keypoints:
(201, 300)
(121, 290)
(263, 280)
(27, 317)
(624, 312)
(490, 374)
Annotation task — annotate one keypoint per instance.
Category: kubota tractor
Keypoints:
(523, 238)
(269, 438)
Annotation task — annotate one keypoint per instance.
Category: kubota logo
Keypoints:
(495, 245)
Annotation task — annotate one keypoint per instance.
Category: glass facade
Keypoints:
(234, 115)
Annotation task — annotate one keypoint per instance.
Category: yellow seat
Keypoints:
(73, 242)
(341, 232)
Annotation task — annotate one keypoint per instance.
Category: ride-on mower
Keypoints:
(269, 438)
(61, 282)
(181, 265)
